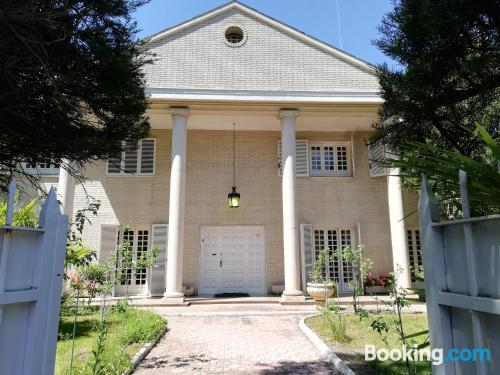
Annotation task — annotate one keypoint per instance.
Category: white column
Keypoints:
(173, 278)
(66, 190)
(398, 231)
(292, 292)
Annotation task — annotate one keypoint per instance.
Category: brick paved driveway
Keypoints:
(234, 345)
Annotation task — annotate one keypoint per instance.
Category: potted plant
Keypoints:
(376, 285)
(318, 286)
(418, 274)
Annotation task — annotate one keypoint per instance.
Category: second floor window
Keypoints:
(136, 159)
(43, 168)
(330, 159)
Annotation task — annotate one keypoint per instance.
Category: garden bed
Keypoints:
(127, 332)
(359, 333)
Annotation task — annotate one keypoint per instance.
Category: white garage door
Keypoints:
(233, 260)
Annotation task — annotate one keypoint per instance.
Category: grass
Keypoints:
(127, 332)
(359, 333)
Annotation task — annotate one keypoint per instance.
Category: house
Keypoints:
(241, 99)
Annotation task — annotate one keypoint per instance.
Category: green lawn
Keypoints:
(360, 334)
(126, 333)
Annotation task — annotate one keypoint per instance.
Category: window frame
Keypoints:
(41, 171)
(335, 172)
(414, 249)
(131, 275)
(340, 262)
(122, 172)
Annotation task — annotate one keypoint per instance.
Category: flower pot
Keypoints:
(377, 289)
(320, 291)
(278, 289)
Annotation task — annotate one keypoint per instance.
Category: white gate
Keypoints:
(31, 275)
(462, 285)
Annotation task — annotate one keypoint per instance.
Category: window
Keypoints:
(138, 245)
(135, 159)
(235, 36)
(335, 239)
(414, 250)
(330, 159)
(45, 168)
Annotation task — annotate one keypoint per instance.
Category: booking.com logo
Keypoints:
(436, 356)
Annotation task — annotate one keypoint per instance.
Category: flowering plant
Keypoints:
(370, 280)
(75, 280)
(385, 279)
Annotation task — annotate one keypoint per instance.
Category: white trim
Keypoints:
(260, 228)
(359, 97)
(270, 21)
(330, 173)
(244, 36)
(343, 287)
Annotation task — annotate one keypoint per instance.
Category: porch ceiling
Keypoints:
(264, 116)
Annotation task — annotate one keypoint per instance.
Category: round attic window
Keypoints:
(235, 36)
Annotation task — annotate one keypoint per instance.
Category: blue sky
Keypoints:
(318, 18)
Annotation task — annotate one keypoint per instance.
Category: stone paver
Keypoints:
(234, 345)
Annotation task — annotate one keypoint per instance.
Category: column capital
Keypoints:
(179, 111)
(288, 113)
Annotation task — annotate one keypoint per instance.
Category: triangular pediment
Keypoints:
(271, 57)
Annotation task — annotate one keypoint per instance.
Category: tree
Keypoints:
(71, 81)
(442, 167)
(450, 76)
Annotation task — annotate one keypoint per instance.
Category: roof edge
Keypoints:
(326, 47)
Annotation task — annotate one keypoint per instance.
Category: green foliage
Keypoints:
(97, 278)
(441, 167)
(24, 215)
(142, 330)
(448, 76)
(114, 351)
(318, 272)
(97, 365)
(126, 261)
(121, 306)
(418, 273)
(395, 323)
(77, 254)
(71, 74)
(360, 268)
(332, 315)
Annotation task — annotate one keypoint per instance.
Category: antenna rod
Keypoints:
(338, 23)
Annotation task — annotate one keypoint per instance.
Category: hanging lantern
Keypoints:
(234, 197)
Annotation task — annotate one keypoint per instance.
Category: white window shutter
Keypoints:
(376, 153)
(301, 158)
(307, 252)
(130, 164)
(157, 275)
(114, 165)
(107, 245)
(147, 156)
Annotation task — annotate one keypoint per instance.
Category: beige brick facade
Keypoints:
(197, 57)
(327, 201)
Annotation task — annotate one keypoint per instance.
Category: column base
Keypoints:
(291, 297)
(174, 299)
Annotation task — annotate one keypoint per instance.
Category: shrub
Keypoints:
(141, 328)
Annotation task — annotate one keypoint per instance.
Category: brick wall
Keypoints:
(197, 57)
(336, 201)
